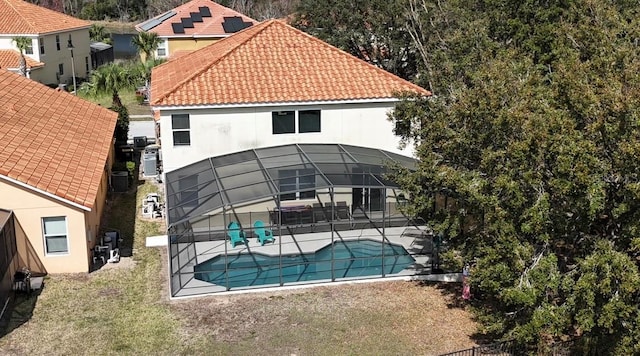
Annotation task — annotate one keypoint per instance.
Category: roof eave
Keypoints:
(43, 192)
(273, 104)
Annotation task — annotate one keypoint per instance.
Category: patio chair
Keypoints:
(236, 234)
(264, 235)
(342, 210)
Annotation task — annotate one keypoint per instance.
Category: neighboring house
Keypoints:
(56, 151)
(194, 25)
(269, 85)
(51, 33)
(10, 60)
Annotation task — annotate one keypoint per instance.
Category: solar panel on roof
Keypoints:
(177, 27)
(155, 22)
(166, 15)
(234, 24)
(204, 11)
(196, 16)
(150, 24)
(186, 22)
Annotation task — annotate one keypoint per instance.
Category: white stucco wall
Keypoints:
(220, 131)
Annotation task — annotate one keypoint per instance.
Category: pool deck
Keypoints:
(414, 239)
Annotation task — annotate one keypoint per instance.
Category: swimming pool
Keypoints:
(350, 259)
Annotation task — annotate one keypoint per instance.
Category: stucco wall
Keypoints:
(52, 57)
(29, 208)
(188, 44)
(220, 131)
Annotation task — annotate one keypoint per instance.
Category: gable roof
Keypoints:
(23, 18)
(10, 59)
(271, 63)
(197, 18)
(53, 141)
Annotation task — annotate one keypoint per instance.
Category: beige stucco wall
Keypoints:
(94, 217)
(188, 44)
(29, 208)
(52, 57)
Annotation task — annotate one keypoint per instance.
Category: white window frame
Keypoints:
(41, 45)
(58, 42)
(162, 46)
(44, 236)
(29, 49)
(174, 130)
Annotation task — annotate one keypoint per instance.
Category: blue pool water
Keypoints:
(351, 259)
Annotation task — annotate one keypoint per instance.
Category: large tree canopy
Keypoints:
(534, 132)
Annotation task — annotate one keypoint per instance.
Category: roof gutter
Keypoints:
(284, 103)
(53, 196)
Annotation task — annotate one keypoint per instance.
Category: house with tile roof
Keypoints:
(268, 85)
(56, 152)
(273, 129)
(193, 25)
(49, 59)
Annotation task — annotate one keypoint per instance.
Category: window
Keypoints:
(298, 183)
(86, 64)
(180, 126)
(283, 122)
(309, 121)
(29, 49)
(55, 235)
(58, 42)
(162, 49)
(41, 42)
(61, 69)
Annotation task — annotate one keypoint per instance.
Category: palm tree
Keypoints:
(110, 79)
(141, 72)
(22, 43)
(146, 43)
(99, 33)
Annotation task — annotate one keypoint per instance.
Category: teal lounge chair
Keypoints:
(236, 234)
(264, 235)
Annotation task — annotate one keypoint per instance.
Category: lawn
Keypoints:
(128, 97)
(125, 310)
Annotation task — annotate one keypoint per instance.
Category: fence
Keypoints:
(504, 348)
(510, 348)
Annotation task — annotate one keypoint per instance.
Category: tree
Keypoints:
(99, 33)
(538, 142)
(146, 43)
(22, 43)
(374, 31)
(110, 79)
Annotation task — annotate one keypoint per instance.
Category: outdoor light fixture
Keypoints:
(73, 67)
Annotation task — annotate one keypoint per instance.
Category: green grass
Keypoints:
(126, 311)
(128, 97)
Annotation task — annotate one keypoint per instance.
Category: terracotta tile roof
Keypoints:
(10, 59)
(210, 26)
(271, 62)
(180, 53)
(21, 17)
(52, 140)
